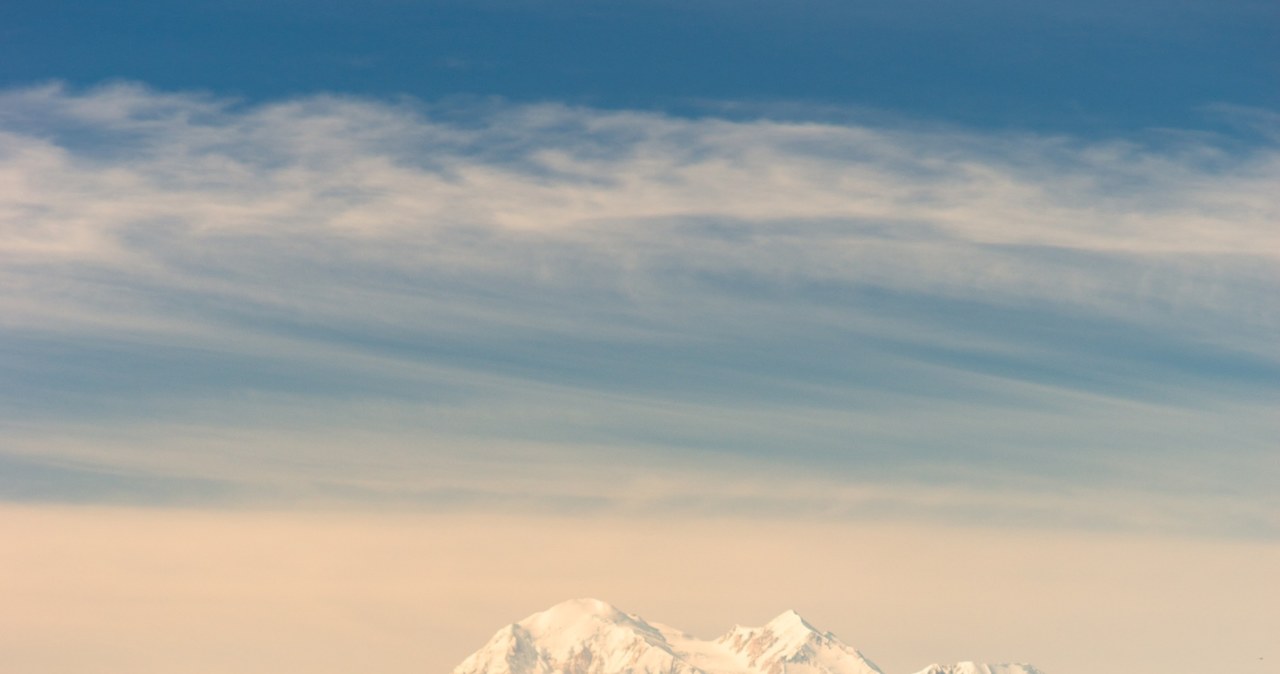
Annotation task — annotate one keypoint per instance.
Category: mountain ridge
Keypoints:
(590, 636)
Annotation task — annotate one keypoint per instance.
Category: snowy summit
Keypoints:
(589, 636)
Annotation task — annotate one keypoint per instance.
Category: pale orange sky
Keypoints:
(95, 590)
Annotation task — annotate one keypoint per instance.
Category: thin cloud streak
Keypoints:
(397, 299)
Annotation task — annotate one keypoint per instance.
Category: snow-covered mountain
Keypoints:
(588, 636)
(583, 636)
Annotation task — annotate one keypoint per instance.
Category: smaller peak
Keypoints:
(790, 621)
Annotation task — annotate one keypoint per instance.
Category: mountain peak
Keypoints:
(586, 619)
(579, 636)
(788, 644)
(581, 609)
(789, 622)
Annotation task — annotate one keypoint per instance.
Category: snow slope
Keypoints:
(588, 636)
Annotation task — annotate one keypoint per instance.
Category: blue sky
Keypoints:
(950, 267)
(1080, 66)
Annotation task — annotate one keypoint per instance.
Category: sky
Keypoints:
(339, 335)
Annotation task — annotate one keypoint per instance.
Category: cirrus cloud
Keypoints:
(579, 308)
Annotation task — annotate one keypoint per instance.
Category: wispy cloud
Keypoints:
(360, 297)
